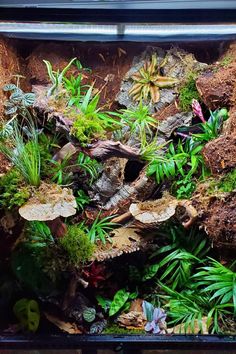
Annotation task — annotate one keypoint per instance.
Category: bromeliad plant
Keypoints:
(148, 81)
(138, 119)
(212, 127)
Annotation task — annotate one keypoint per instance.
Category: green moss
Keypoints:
(114, 329)
(13, 191)
(86, 128)
(226, 61)
(226, 184)
(77, 245)
(187, 93)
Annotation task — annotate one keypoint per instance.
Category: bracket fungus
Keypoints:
(48, 203)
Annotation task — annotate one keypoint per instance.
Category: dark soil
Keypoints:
(9, 66)
(220, 154)
(216, 88)
(220, 221)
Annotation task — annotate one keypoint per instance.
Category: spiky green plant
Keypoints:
(218, 281)
(56, 77)
(99, 231)
(89, 166)
(24, 155)
(139, 119)
(184, 251)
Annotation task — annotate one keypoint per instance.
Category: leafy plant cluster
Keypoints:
(28, 314)
(185, 160)
(18, 102)
(90, 123)
(192, 286)
(120, 302)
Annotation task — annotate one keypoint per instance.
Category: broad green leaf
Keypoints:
(118, 302)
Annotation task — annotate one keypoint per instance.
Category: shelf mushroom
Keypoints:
(48, 204)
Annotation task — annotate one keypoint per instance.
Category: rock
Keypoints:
(49, 202)
(175, 121)
(220, 154)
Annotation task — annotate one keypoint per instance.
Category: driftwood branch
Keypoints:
(102, 150)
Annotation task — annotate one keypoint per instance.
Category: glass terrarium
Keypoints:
(117, 176)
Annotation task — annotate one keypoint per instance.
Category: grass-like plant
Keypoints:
(89, 166)
(24, 155)
(169, 165)
(56, 77)
(82, 199)
(99, 230)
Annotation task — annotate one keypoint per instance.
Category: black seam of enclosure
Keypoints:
(116, 16)
(112, 341)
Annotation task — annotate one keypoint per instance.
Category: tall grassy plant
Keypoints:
(24, 155)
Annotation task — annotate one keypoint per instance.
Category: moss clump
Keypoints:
(77, 245)
(226, 184)
(226, 61)
(115, 329)
(187, 93)
(86, 128)
(13, 191)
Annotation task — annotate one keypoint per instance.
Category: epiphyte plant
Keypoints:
(148, 81)
(56, 77)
